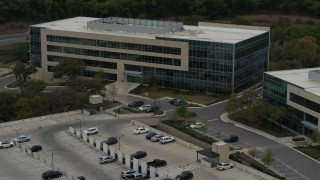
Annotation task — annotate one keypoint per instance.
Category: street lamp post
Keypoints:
(80, 123)
(17, 131)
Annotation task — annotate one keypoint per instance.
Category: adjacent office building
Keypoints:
(298, 93)
(214, 58)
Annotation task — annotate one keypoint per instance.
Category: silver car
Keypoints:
(156, 138)
(22, 138)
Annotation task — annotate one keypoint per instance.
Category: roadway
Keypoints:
(12, 38)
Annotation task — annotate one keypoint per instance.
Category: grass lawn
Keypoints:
(187, 96)
(312, 151)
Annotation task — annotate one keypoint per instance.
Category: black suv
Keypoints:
(136, 104)
(231, 139)
(150, 135)
(51, 174)
(157, 163)
(35, 148)
(110, 141)
(185, 175)
(139, 155)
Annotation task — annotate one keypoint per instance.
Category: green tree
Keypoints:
(252, 151)
(22, 72)
(69, 69)
(101, 76)
(204, 127)
(88, 86)
(181, 112)
(113, 90)
(153, 81)
(315, 137)
(21, 52)
(33, 86)
(268, 158)
(7, 106)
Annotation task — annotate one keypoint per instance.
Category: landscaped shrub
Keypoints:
(298, 139)
(182, 127)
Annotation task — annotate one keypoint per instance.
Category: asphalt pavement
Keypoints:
(13, 38)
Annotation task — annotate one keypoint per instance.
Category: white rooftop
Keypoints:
(200, 33)
(299, 77)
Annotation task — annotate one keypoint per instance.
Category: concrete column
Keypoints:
(98, 144)
(91, 140)
(84, 137)
(71, 129)
(105, 148)
(143, 167)
(112, 152)
(135, 164)
(127, 160)
(77, 132)
(120, 155)
(152, 172)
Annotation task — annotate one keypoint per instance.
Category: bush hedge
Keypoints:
(182, 127)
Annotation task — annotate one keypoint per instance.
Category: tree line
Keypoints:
(47, 10)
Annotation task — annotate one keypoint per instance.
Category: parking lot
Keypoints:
(16, 165)
(78, 158)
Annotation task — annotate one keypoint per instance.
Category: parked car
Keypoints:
(51, 174)
(150, 135)
(139, 155)
(136, 104)
(231, 139)
(22, 138)
(35, 148)
(6, 144)
(184, 175)
(224, 166)
(127, 172)
(81, 178)
(172, 101)
(106, 159)
(133, 176)
(157, 163)
(140, 130)
(155, 109)
(92, 130)
(166, 139)
(156, 138)
(145, 108)
(177, 102)
(110, 141)
(196, 125)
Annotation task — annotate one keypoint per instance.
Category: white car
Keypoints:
(22, 138)
(92, 130)
(166, 139)
(125, 173)
(145, 108)
(196, 125)
(140, 130)
(106, 159)
(6, 144)
(224, 166)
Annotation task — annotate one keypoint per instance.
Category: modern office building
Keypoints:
(298, 93)
(214, 58)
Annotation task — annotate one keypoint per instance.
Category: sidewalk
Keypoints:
(284, 140)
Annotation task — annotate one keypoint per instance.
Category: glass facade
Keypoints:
(114, 44)
(275, 93)
(115, 55)
(87, 73)
(92, 63)
(35, 46)
(251, 61)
